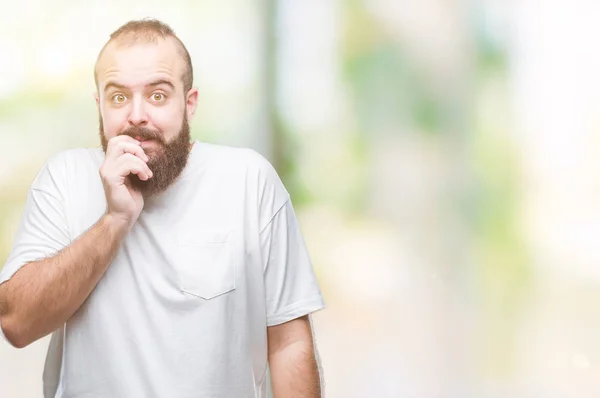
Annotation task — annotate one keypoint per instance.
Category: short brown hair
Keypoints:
(149, 31)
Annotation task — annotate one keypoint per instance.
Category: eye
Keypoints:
(158, 97)
(118, 98)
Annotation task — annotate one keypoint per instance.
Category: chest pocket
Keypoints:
(206, 263)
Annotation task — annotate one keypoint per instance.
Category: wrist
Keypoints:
(117, 225)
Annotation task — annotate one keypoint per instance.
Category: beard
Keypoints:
(166, 161)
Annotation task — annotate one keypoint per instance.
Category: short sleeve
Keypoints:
(291, 285)
(43, 229)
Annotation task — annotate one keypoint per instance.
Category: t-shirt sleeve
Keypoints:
(291, 285)
(43, 229)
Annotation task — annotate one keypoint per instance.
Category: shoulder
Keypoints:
(73, 157)
(59, 167)
(259, 175)
(238, 159)
(237, 155)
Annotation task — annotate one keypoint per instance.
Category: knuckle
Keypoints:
(129, 157)
(114, 141)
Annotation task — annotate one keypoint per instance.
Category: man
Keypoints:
(162, 268)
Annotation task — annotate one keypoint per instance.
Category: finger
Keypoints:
(134, 149)
(128, 158)
(136, 168)
(117, 148)
(122, 138)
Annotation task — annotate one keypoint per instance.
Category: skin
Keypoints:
(292, 360)
(139, 86)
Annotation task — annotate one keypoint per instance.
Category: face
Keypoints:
(141, 94)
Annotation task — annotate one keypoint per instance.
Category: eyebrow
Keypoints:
(155, 83)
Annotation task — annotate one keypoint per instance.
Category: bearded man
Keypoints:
(162, 266)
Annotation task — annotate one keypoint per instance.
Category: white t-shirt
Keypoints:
(183, 309)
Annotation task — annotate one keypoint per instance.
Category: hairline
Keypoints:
(152, 38)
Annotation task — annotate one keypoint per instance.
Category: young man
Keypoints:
(162, 267)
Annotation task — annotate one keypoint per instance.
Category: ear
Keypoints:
(97, 98)
(191, 101)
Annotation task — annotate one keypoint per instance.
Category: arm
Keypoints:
(294, 368)
(44, 294)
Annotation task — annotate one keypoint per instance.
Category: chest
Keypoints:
(197, 244)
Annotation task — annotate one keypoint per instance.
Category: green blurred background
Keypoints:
(442, 156)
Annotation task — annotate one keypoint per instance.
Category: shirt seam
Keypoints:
(274, 215)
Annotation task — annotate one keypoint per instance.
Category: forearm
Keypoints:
(44, 294)
(295, 372)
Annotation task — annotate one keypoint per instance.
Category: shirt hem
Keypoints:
(297, 310)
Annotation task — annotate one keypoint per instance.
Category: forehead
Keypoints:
(136, 64)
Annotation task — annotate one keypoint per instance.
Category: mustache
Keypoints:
(145, 134)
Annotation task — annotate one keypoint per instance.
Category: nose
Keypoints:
(138, 116)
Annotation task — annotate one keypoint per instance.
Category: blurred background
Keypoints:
(443, 158)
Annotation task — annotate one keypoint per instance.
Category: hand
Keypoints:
(124, 156)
